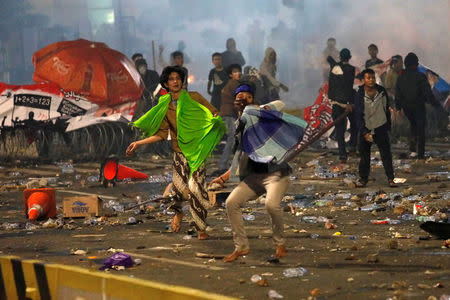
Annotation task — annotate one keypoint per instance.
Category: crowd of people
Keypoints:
(247, 107)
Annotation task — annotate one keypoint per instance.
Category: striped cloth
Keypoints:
(267, 135)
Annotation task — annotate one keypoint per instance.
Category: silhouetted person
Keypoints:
(330, 50)
(151, 81)
(340, 90)
(176, 60)
(412, 91)
(373, 52)
(268, 71)
(136, 56)
(232, 55)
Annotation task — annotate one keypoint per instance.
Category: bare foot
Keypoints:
(280, 251)
(233, 256)
(202, 235)
(176, 222)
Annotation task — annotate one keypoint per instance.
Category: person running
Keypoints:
(265, 134)
(195, 129)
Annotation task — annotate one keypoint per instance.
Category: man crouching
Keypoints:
(258, 162)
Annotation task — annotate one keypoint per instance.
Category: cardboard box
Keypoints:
(82, 206)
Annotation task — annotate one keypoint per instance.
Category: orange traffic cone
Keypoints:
(112, 170)
(39, 203)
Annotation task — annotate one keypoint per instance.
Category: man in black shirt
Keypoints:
(341, 93)
(412, 91)
(217, 79)
(151, 81)
(232, 55)
(374, 60)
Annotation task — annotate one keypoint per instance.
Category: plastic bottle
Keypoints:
(67, 168)
(408, 217)
(92, 179)
(248, 217)
(426, 218)
(369, 207)
(394, 222)
(309, 219)
(294, 272)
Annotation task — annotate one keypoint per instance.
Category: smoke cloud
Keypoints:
(296, 29)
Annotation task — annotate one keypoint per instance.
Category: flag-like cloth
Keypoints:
(319, 121)
(440, 88)
(269, 134)
(198, 131)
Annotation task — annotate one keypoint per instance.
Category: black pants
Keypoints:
(381, 138)
(340, 128)
(417, 119)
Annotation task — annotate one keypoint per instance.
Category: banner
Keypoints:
(47, 103)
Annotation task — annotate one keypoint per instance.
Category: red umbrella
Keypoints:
(89, 69)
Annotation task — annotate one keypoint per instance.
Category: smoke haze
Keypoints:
(296, 29)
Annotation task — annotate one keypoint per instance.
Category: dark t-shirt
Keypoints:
(370, 63)
(340, 82)
(151, 80)
(219, 79)
(229, 57)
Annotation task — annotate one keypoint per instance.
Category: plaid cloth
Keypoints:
(267, 135)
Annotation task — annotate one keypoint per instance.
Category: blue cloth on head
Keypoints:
(244, 88)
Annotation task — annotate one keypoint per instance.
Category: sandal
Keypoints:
(360, 183)
(392, 184)
(176, 222)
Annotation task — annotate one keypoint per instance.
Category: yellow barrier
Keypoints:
(32, 279)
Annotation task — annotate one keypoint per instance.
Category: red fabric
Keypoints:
(312, 114)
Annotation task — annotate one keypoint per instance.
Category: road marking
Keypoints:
(88, 235)
(177, 262)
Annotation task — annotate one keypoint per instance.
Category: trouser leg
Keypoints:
(382, 140)
(413, 130)
(340, 132)
(276, 186)
(364, 162)
(420, 117)
(241, 194)
(353, 131)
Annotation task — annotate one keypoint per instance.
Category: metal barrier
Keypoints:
(32, 279)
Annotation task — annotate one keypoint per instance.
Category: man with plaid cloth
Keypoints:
(264, 136)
